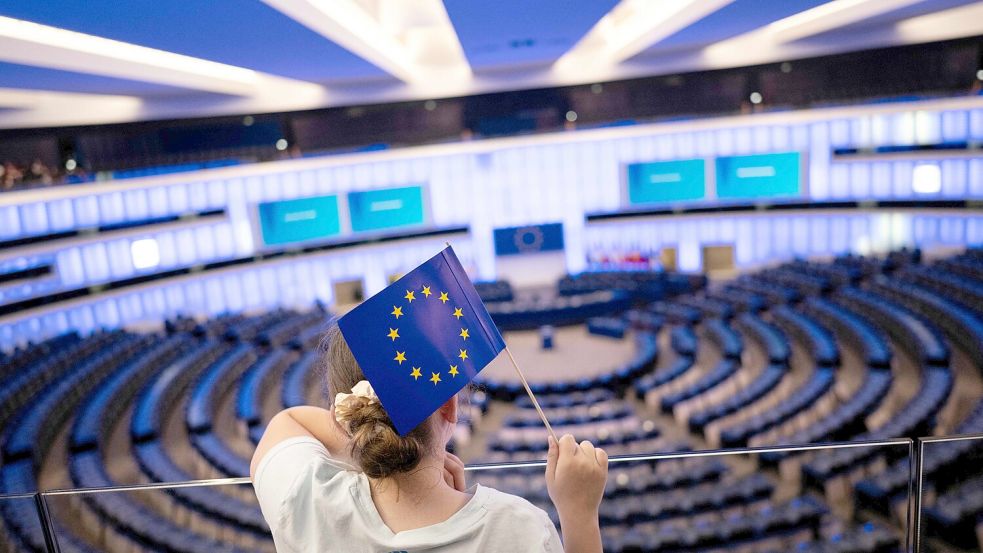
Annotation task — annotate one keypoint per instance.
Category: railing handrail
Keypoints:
(614, 459)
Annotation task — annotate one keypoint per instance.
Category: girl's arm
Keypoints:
(305, 421)
(575, 477)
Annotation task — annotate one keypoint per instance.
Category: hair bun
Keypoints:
(376, 446)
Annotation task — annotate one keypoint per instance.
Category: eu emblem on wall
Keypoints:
(422, 339)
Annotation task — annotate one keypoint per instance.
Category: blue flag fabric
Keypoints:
(422, 339)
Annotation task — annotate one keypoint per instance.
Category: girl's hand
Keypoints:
(454, 472)
(575, 477)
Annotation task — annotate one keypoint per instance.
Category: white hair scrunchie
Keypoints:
(344, 403)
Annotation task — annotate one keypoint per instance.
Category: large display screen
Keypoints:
(759, 176)
(288, 221)
(666, 181)
(384, 209)
(529, 239)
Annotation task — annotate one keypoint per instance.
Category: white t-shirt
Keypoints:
(316, 504)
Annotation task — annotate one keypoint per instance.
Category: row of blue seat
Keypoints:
(765, 382)
(723, 370)
(212, 503)
(557, 311)
(157, 397)
(817, 339)
(852, 329)
(736, 531)
(943, 465)
(800, 399)
(17, 391)
(37, 425)
(619, 379)
(132, 519)
(916, 418)
(772, 341)
(109, 401)
(961, 325)
(725, 338)
(921, 339)
(686, 502)
(257, 379)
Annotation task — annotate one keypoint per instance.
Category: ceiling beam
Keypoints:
(28, 43)
(631, 27)
(831, 16)
(412, 40)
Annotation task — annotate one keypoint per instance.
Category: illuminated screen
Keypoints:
(759, 176)
(666, 181)
(383, 209)
(529, 239)
(288, 221)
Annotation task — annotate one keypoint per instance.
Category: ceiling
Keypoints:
(216, 57)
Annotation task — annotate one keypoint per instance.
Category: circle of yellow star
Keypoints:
(393, 333)
(463, 355)
(416, 373)
(400, 357)
(453, 370)
(398, 311)
(426, 291)
(409, 295)
(435, 378)
(457, 312)
(464, 334)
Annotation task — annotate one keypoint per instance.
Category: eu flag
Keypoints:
(422, 339)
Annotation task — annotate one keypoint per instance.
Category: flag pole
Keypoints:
(535, 403)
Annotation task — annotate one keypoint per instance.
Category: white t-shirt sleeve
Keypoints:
(279, 470)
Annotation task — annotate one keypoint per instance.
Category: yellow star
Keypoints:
(453, 370)
(393, 333)
(435, 378)
(426, 291)
(398, 311)
(463, 355)
(457, 312)
(400, 357)
(464, 334)
(416, 373)
(443, 297)
(409, 295)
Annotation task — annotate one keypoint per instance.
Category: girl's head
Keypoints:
(375, 445)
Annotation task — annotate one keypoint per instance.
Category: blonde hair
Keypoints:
(375, 445)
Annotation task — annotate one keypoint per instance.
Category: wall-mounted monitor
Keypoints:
(529, 239)
(759, 176)
(298, 220)
(666, 181)
(386, 209)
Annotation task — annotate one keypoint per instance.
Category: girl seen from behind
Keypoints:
(344, 480)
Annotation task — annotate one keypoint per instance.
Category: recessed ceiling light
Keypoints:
(248, 120)
(71, 164)
(145, 253)
(926, 178)
(429, 105)
(571, 116)
(786, 67)
(756, 98)
(597, 88)
(281, 144)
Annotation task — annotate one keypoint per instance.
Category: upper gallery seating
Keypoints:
(801, 353)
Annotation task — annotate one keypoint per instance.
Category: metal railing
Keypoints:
(916, 450)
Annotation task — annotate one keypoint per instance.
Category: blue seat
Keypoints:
(725, 338)
(819, 342)
(771, 339)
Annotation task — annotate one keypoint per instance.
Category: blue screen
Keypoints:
(759, 176)
(666, 181)
(529, 239)
(383, 209)
(289, 221)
